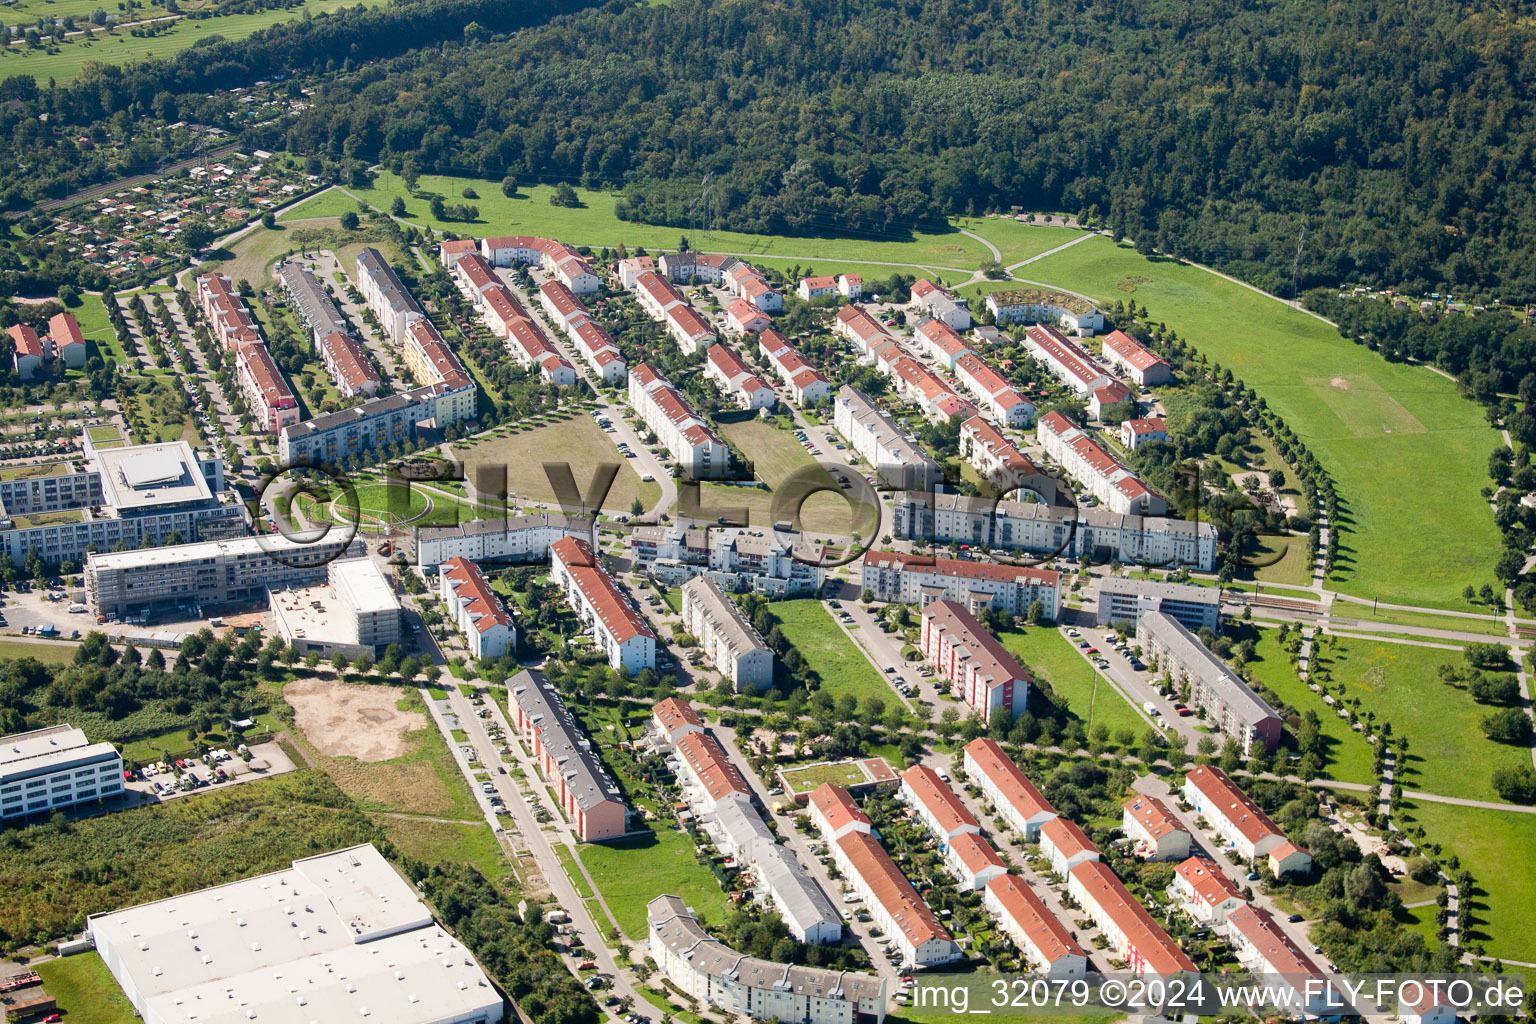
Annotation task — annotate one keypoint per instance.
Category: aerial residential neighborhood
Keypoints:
(681, 514)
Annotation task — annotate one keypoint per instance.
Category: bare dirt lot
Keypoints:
(343, 720)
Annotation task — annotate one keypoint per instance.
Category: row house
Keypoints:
(920, 580)
(696, 448)
(1046, 943)
(934, 301)
(452, 250)
(1234, 817)
(1105, 477)
(741, 317)
(508, 319)
(1155, 829)
(1064, 845)
(895, 456)
(999, 460)
(629, 269)
(747, 389)
(973, 862)
(1135, 360)
(707, 775)
(589, 796)
(1133, 934)
(348, 365)
(592, 341)
(604, 610)
(1266, 951)
(674, 718)
(941, 343)
(819, 287)
(1204, 892)
(1020, 805)
(476, 609)
(1065, 360)
(997, 396)
(557, 259)
(936, 805)
(806, 385)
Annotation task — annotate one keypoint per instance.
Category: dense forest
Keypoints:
(1398, 136)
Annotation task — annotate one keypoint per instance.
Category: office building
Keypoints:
(339, 936)
(354, 613)
(55, 768)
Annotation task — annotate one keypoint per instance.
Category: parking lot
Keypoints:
(197, 776)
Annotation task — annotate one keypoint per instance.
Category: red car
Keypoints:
(1092, 650)
(1183, 711)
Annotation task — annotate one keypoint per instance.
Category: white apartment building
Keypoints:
(1015, 799)
(941, 343)
(50, 769)
(937, 807)
(620, 630)
(385, 294)
(725, 636)
(476, 609)
(741, 317)
(850, 286)
(1124, 599)
(1045, 942)
(744, 387)
(920, 579)
(739, 985)
(1264, 949)
(1105, 477)
(929, 298)
(1000, 461)
(1056, 309)
(1065, 359)
(696, 448)
(515, 539)
(835, 814)
(973, 862)
(805, 383)
(1204, 892)
(1132, 932)
(819, 287)
(775, 563)
(1223, 697)
(893, 905)
(1155, 829)
(1065, 845)
(896, 458)
(803, 907)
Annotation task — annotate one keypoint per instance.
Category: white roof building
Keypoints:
(47, 769)
(335, 937)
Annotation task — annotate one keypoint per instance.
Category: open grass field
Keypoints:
(48, 652)
(1018, 241)
(1401, 617)
(1375, 425)
(330, 203)
(444, 842)
(1448, 754)
(100, 338)
(594, 223)
(1347, 757)
(870, 272)
(776, 456)
(632, 872)
(1495, 846)
(578, 441)
(86, 991)
(1051, 657)
(1280, 559)
(121, 48)
(829, 652)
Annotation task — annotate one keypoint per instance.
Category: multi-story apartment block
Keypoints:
(348, 365)
(1055, 309)
(740, 559)
(979, 669)
(921, 580)
(1137, 432)
(620, 630)
(66, 340)
(1122, 599)
(28, 351)
(929, 298)
(876, 437)
(590, 797)
(50, 769)
(229, 319)
(696, 448)
(265, 390)
(743, 986)
(512, 539)
(997, 397)
(313, 304)
(1105, 477)
(476, 609)
(385, 295)
(1137, 361)
(725, 636)
(1220, 694)
(1015, 799)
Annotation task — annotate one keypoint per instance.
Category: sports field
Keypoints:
(1386, 431)
(594, 223)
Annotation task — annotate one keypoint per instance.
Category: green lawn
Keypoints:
(578, 441)
(674, 599)
(48, 653)
(1018, 241)
(1399, 617)
(840, 664)
(444, 842)
(632, 872)
(1496, 847)
(97, 328)
(776, 455)
(1280, 559)
(1374, 424)
(1448, 753)
(331, 203)
(804, 780)
(121, 48)
(572, 870)
(594, 223)
(1051, 657)
(1347, 756)
(86, 991)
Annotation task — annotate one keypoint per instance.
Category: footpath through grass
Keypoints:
(1346, 755)
(632, 872)
(1375, 425)
(1448, 754)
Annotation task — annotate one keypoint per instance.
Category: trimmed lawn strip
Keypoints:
(835, 658)
(1496, 847)
(1372, 423)
(572, 870)
(632, 872)
(1425, 620)
(443, 842)
(327, 204)
(1051, 657)
(1448, 753)
(85, 990)
(49, 654)
(1347, 756)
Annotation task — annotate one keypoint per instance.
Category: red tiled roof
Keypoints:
(1154, 816)
(476, 271)
(944, 337)
(1281, 955)
(836, 807)
(1011, 783)
(1147, 425)
(1210, 886)
(561, 297)
(714, 770)
(675, 712)
(1029, 913)
(65, 330)
(743, 312)
(1068, 839)
(891, 890)
(937, 799)
(962, 569)
(1159, 952)
(1002, 449)
(975, 853)
(608, 603)
(25, 340)
(1064, 356)
(485, 608)
(1131, 350)
(819, 282)
(1232, 803)
(259, 364)
(982, 650)
(658, 288)
(687, 319)
(350, 366)
(445, 365)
